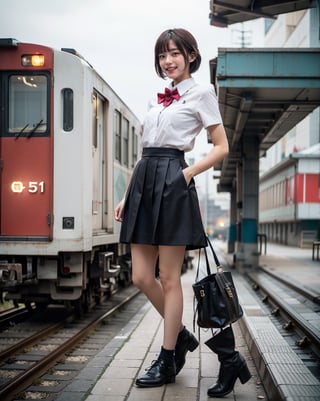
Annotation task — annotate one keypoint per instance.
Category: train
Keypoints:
(68, 145)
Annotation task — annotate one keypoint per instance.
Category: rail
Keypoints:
(26, 377)
(277, 297)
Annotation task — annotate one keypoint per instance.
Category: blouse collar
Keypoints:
(183, 86)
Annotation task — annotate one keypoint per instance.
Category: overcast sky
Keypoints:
(117, 37)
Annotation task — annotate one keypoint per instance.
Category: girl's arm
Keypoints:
(215, 155)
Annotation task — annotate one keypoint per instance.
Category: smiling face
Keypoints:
(173, 64)
(176, 55)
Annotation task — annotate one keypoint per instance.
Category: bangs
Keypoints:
(162, 44)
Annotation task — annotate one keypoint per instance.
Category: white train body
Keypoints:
(76, 143)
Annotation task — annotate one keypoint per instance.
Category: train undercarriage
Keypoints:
(74, 279)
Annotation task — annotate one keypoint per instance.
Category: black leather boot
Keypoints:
(233, 365)
(158, 374)
(186, 341)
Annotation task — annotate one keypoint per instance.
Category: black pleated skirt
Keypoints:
(160, 208)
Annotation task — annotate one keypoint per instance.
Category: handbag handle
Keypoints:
(215, 257)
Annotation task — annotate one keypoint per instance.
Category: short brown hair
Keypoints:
(186, 44)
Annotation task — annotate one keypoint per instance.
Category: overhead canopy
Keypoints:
(224, 13)
(262, 93)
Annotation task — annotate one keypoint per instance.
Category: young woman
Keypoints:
(160, 212)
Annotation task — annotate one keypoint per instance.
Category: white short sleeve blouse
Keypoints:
(177, 125)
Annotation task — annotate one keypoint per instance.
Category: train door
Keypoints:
(25, 155)
(99, 125)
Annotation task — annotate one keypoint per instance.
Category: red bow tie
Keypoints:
(167, 97)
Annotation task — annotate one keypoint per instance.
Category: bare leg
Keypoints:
(144, 259)
(166, 294)
(170, 262)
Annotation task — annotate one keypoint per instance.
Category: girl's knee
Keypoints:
(137, 282)
(142, 281)
(170, 283)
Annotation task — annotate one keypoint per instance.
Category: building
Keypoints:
(289, 195)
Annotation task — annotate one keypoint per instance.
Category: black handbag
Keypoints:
(216, 299)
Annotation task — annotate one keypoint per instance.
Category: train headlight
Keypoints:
(32, 60)
(17, 187)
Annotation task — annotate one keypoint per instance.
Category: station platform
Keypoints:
(111, 375)
(295, 264)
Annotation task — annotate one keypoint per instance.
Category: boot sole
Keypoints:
(167, 380)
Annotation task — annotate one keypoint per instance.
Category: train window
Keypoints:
(28, 100)
(125, 142)
(134, 147)
(94, 121)
(67, 101)
(117, 135)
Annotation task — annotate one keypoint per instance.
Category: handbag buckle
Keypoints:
(229, 292)
(202, 293)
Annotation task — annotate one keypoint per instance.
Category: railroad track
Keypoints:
(295, 308)
(57, 339)
(293, 305)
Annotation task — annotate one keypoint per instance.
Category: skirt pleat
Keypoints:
(160, 208)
